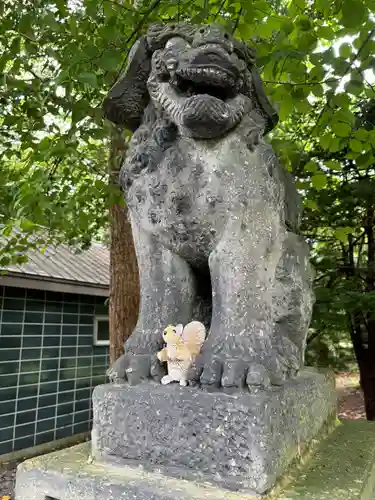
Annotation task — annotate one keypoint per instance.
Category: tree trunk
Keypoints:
(124, 280)
(367, 375)
(367, 364)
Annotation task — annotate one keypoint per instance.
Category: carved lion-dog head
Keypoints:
(198, 76)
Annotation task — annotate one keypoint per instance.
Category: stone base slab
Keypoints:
(241, 442)
(342, 468)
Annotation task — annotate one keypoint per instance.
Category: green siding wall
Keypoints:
(48, 365)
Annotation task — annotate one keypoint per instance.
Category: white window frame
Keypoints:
(96, 321)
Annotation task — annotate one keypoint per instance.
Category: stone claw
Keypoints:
(253, 139)
(134, 368)
(234, 375)
(257, 378)
(195, 371)
(116, 372)
(219, 372)
(157, 369)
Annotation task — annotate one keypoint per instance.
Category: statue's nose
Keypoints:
(213, 34)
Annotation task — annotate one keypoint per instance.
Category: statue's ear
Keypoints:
(263, 104)
(128, 98)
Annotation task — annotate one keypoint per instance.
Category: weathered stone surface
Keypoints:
(342, 469)
(215, 218)
(66, 475)
(237, 441)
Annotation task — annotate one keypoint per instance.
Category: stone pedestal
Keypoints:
(238, 442)
(342, 468)
(151, 442)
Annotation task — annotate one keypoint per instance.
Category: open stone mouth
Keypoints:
(205, 80)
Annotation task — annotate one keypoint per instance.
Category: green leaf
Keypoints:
(287, 27)
(353, 13)
(311, 204)
(304, 23)
(344, 115)
(345, 50)
(326, 140)
(341, 233)
(333, 165)
(351, 155)
(317, 74)
(286, 107)
(7, 230)
(325, 32)
(354, 87)
(27, 225)
(301, 4)
(274, 23)
(372, 138)
(319, 181)
(303, 106)
(62, 77)
(341, 100)
(262, 6)
(61, 5)
(264, 30)
(88, 78)
(246, 30)
(341, 129)
(302, 185)
(364, 160)
(317, 90)
(310, 167)
(356, 145)
(370, 93)
(335, 145)
(361, 135)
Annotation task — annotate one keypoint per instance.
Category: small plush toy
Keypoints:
(182, 347)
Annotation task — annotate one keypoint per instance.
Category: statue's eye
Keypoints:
(176, 43)
(174, 330)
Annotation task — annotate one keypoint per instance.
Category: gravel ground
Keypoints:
(7, 478)
(350, 407)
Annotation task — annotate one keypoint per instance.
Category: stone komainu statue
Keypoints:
(215, 218)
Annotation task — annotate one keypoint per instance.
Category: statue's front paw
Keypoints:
(134, 368)
(116, 372)
(222, 371)
(142, 367)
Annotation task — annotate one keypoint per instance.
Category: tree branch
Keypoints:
(135, 31)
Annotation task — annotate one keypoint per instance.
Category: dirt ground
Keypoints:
(350, 408)
(351, 405)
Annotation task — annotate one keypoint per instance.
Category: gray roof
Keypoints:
(62, 264)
